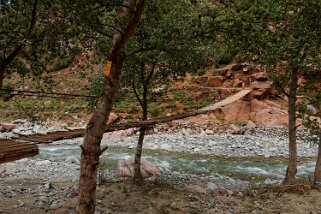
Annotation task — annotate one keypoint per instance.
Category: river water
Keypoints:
(242, 168)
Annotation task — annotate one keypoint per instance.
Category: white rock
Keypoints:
(72, 159)
(44, 162)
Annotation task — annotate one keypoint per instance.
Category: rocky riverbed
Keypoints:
(51, 181)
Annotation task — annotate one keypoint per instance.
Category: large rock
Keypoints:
(261, 113)
(215, 81)
(237, 67)
(125, 168)
(201, 80)
(261, 76)
(233, 129)
(261, 90)
(8, 126)
(250, 125)
(112, 118)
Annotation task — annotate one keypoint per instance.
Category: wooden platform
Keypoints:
(11, 150)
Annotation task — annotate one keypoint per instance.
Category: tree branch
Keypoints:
(278, 84)
(140, 50)
(136, 93)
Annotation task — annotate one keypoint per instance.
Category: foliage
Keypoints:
(35, 34)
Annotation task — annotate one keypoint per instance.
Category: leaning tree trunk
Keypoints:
(96, 126)
(292, 165)
(317, 171)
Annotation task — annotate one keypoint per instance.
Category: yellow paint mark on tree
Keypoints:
(108, 68)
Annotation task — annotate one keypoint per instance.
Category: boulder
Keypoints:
(125, 168)
(112, 118)
(8, 126)
(247, 132)
(237, 67)
(233, 129)
(261, 76)
(215, 81)
(261, 90)
(250, 125)
(223, 71)
(201, 80)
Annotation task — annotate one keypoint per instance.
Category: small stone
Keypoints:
(42, 163)
(211, 186)
(209, 132)
(54, 206)
(72, 159)
(47, 186)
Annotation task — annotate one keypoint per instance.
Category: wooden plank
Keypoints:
(11, 150)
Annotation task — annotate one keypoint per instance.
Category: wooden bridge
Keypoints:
(24, 146)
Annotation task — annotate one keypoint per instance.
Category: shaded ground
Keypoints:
(125, 197)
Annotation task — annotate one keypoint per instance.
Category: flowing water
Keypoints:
(243, 168)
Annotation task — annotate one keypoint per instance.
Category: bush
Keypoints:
(6, 93)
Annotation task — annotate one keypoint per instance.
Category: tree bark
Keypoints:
(317, 171)
(138, 178)
(292, 165)
(96, 125)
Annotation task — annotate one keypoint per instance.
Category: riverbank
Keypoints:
(47, 182)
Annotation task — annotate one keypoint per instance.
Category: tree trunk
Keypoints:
(7, 62)
(317, 171)
(96, 125)
(292, 165)
(138, 178)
